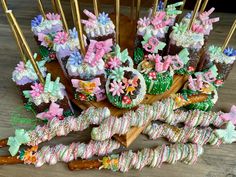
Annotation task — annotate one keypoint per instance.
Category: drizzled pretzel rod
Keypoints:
(160, 110)
(183, 135)
(187, 153)
(57, 127)
(63, 153)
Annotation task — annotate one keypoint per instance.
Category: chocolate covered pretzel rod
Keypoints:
(54, 154)
(187, 153)
(160, 110)
(192, 135)
(57, 127)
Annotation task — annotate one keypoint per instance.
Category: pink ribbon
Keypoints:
(97, 50)
(54, 111)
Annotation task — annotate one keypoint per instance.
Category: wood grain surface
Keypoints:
(215, 162)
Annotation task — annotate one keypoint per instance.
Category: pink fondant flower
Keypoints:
(116, 88)
(37, 89)
(52, 16)
(114, 63)
(61, 38)
(20, 66)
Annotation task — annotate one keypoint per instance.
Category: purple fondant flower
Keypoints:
(75, 59)
(103, 18)
(37, 21)
(230, 51)
(73, 33)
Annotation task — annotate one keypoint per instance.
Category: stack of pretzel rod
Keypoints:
(92, 115)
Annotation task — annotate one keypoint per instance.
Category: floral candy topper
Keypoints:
(73, 33)
(117, 74)
(230, 52)
(152, 44)
(180, 28)
(91, 22)
(204, 17)
(158, 21)
(75, 59)
(37, 90)
(87, 87)
(52, 16)
(54, 111)
(37, 21)
(117, 88)
(61, 38)
(97, 50)
(103, 18)
(215, 50)
(21, 137)
(171, 9)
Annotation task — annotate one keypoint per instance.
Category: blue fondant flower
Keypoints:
(73, 33)
(75, 59)
(37, 21)
(230, 51)
(160, 6)
(188, 15)
(103, 18)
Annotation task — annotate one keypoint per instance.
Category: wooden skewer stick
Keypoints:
(204, 6)
(194, 15)
(25, 45)
(118, 21)
(40, 6)
(5, 8)
(165, 4)
(229, 36)
(76, 15)
(154, 9)
(95, 7)
(138, 9)
(7, 160)
(132, 12)
(60, 9)
(182, 7)
(54, 7)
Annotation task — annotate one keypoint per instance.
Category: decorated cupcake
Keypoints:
(41, 96)
(223, 60)
(24, 75)
(87, 73)
(44, 32)
(125, 87)
(151, 36)
(66, 44)
(98, 28)
(116, 59)
(203, 82)
(192, 40)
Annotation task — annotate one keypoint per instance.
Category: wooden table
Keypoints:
(215, 162)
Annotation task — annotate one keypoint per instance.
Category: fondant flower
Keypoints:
(61, 37)
(214, 49)
(152, 75)
(103, 18)
(144, 22)
(73, 33)
(230, 51)
(126, 100)
(231, 116)
(20, 66)
(37, 21)
(75, 59)
(116, 88)
(130, 84)
(37, 90)
(117, 74)
(180, 28)
(52, 16)
(114, 63)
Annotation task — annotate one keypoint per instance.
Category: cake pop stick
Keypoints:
(59, 7)
(165, 4)
(23, 57)
(95, 7)
(182, 7)
(56, 127)
(77, 21)
(186, 153)
(230, 34)
(138, 9)
(145, 113)
(118, 22)
(154, 10)
(60, 152)
(194, 15)
(40, 6)
(190, 134)
(25, 45)
(203, 6)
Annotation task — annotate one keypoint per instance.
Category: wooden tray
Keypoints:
(127, 41)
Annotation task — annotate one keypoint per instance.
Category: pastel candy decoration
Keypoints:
(158, 20)
(92, 19)
(184, 55)
(231, 116)
(197, 28)
(210, 75)
(195, 84)
(230, 51)
(87, 87)
(21, 137)
(228, 135)
(171, 9)
(180, 28)
(52, 87)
